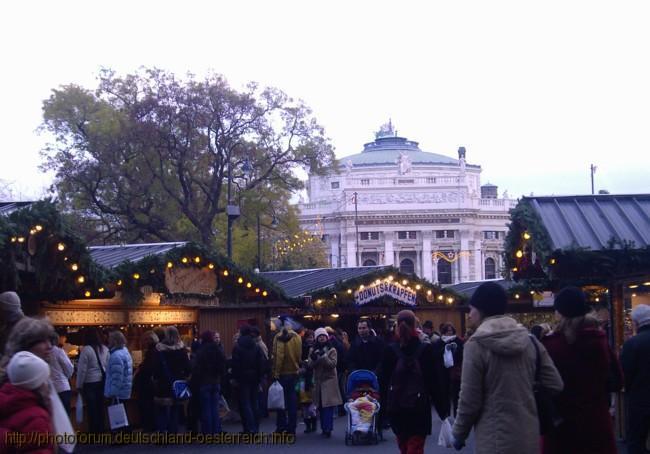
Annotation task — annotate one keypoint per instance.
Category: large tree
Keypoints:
(148, 155)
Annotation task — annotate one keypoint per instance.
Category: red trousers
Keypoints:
(411, 445)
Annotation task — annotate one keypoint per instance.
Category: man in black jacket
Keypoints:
(366, 351)
(248, 366)
(635, 358)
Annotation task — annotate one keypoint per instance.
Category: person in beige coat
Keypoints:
(496, 391)
(325, 394)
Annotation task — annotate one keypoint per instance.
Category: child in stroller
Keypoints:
(362, 395)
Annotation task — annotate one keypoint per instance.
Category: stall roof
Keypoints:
(297, 283)
(592, 221)
(112, 256)
(6, 208)
(467, 289)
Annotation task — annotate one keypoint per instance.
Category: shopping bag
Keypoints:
(446, 438)
(79, 409)
(275, 400)
(61, 422)
(117, 416)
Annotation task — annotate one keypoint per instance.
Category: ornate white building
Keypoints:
(422, 212)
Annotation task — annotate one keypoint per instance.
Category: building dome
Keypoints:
(388, 148)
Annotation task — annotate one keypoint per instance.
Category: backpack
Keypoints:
(407, 390)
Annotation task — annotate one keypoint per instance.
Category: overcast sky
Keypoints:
(536, 91)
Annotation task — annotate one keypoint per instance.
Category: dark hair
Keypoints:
(207, 336)
(92, 337)
(245, 330)
(255, 331)
(406, 326)
(445, 326)
(366, 321)
(537, 331)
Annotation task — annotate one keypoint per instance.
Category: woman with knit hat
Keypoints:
(325, 394)
(409, 386)
(499, 369)
(28, 334)
(25, 420)
(589, 370)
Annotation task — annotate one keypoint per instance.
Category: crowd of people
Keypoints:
(547, 390)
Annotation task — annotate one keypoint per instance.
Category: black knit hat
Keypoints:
(571, 302)
(490, 299)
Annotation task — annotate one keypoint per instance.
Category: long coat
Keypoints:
(326, 385)
(416, 422)
(586, 367)
(496, 391)
(636, 367)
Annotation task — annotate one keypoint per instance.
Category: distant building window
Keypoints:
(444, 272)
(491, 235)
(407, 266)
(407, 235)
(369, 262)
(365, 182)
(369, 236)
(490, 268)
(405, 181)
(335, 184)
(445, 234)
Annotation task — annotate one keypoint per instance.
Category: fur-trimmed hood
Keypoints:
(502, 335)
(166, 348)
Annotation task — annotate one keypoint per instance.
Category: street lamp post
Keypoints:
(274, 224)
(232, 211)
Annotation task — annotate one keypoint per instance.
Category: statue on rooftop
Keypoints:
(386, 130)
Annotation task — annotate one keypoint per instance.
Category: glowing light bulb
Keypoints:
(249, 285)
(240, 280)
(225, 272)
(60, 247)
(74, 267)
(265, 293)
(211, 266)
(170, 265)
(526, 236)
(405, 282)
(185, 260)
(519, 254)
(81, 279)
(136, 276)
(197, 259)
(87, 293)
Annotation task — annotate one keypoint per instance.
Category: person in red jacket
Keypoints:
(25, 421)
(590, 370)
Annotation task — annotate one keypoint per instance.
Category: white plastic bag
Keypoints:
(61, 422)
(117, 416)
(276, 397)
(449, 356)
(79, 409)
(446, 438)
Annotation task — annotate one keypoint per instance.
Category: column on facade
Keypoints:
(426, 256)
(352, 250)
(335, 253)
(464, 257)
(435, 270)
(478, 261)
(389, 252)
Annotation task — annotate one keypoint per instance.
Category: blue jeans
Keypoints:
(248, 406)
(326, 418)
(287, 418)
(210, 420)
(167, 418)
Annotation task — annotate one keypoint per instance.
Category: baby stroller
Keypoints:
(362, 407)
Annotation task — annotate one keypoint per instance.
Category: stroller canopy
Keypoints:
(361, 377)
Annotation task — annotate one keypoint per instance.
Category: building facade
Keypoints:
(394, 204)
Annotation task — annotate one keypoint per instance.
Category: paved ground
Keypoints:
(305, 443)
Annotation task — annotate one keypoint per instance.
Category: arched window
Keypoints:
(490, 268)
(444, 272)
(407, 266)
(369, 262)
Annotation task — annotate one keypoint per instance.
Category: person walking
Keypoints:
(498, 375)
(208, 372)
(143, 384)
(635, 358)
(61, 371)
(287, 350)
(171, 363)
(590, 370)
(409, 382)
(366, 351)
(325, 394)
(307, 383)
(119, 372)
(25, 416)
(91, 377)
(248, 367)
(449, 352)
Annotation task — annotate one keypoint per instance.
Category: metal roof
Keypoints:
(592, 221)
(467, 289)
(112, 256)
(302, 282)
(6, 208)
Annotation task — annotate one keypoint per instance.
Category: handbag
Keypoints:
(180, 388)
(117, 415)
(547, 413)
